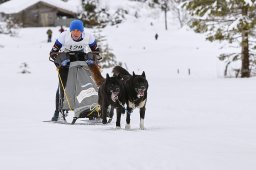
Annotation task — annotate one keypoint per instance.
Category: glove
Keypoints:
(65, 62)
(89, 62)
(96, 54)
(96, 51)
(89, 59)
(53, 55)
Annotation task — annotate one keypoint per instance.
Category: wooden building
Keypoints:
(38, 13)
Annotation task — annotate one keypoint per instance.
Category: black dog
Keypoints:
(111, 95)
(136, 87)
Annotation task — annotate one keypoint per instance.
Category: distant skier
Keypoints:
(49, 34)
(77, 39)
(156, 36)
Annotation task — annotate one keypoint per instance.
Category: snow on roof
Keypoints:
(16, 6)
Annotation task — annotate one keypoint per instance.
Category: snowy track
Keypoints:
(197, 122)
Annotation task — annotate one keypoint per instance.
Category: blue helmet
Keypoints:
(76, 25)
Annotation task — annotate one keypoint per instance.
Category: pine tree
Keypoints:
(93, 15)
(98, 17)
(9, 27)
(108, 57)
(165, 8)
(2, 1)
(227, 20)
(172, 6)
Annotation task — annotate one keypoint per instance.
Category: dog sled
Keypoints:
(77, 91)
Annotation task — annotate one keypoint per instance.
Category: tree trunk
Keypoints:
(245, 71)
(165, 18)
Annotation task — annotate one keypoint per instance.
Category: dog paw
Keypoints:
(109, 120)
(127, 126)
(142, 127)
(118, 127)
(104, 121)
(142, 124)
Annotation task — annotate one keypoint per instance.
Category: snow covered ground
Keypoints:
(196, 122)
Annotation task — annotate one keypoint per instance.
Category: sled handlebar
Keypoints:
(75, 53)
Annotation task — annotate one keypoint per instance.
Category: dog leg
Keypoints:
(142, 116)
(142, 124)
(110, 114)
(104, 115)
(128, 118)
(118, 118)
(127, 126)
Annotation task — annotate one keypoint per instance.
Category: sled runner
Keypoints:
(77, 90)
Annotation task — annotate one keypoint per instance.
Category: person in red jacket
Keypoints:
(61, 29)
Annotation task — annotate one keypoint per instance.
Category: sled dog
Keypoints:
(111, 96)
(136, 87)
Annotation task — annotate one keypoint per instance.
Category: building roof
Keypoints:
(16, 6)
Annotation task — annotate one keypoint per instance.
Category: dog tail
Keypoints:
(120, 71)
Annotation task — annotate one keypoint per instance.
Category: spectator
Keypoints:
(156, 36)
(61, 29)
(49, 33)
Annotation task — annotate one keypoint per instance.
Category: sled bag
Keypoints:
(81, 93)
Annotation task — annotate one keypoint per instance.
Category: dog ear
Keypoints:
(143, 74)
(107, 77)
(119, 77)
(133, 74)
